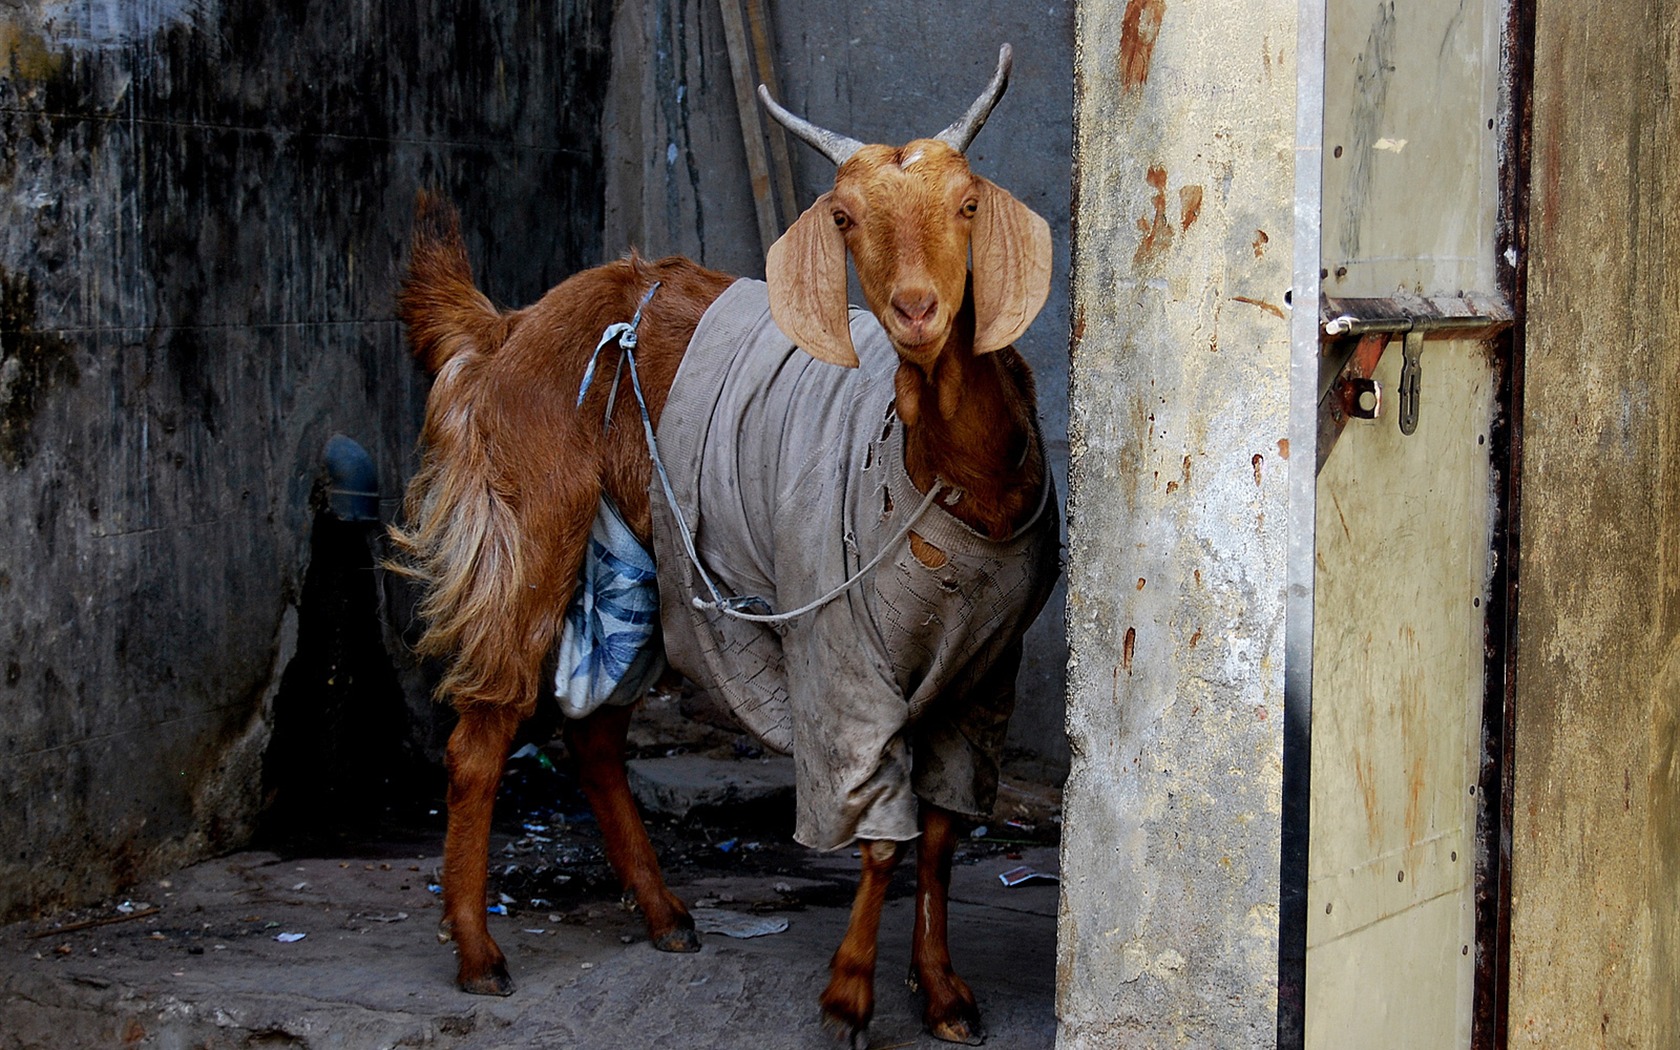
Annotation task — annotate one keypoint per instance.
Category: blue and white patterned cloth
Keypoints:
(610, 649)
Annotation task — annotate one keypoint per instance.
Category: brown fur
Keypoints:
(499, 514)
(501, 507)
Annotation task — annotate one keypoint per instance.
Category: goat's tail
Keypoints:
(461, 542)
(464, 540)
(442, 307)
(461, 536)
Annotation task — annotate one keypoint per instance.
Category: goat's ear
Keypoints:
(1012, 255)
(806, 271)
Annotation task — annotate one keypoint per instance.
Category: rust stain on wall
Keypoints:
(1189, 205)
(1138, 30)
(27, 54)
(1157, 232)
(1414, 732)
(1128, 649)
(1271, 308)
(1365, 776)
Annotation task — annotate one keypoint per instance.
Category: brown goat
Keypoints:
(500, 513)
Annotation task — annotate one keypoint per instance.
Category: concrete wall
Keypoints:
(678, 173)
(1184, 154)
(202, 207)
(1595, 939)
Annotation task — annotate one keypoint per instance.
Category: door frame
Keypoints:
(1492, 891)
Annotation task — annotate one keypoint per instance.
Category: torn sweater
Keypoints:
(790, 472)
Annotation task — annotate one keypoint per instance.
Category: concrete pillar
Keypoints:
(1183, 233)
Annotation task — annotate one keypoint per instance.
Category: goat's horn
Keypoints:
(960, 134)
(836, 147)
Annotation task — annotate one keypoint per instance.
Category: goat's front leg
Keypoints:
(596, 742)
(949, 1009)
(848, 1002)
(477, 751)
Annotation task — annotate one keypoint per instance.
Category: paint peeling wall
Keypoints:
(878, 72)
(1184, 159)
(1595, 938)
(203, 204)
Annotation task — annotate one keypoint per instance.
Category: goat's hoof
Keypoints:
(958, 1031)
(494, 981)
(950, 1012)
(682, 939)
(851, 1036)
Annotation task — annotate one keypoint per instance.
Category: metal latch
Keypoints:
(1411, 376)
(1358, 330)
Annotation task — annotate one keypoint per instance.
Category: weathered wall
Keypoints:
(202, 207)
(678, 177)
(1595, 939)
(1184, 158)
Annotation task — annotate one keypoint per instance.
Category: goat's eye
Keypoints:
(969, 208)
(842, 220)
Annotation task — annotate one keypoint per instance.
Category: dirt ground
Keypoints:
(328, 940)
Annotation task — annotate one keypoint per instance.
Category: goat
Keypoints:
(516, 463)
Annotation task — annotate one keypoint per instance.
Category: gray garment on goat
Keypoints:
(791, 474)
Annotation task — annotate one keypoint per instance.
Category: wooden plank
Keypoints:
(781, 163)
(752, 127)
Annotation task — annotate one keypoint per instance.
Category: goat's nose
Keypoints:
(915, 305)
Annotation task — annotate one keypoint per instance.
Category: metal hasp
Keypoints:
(1355, 332)
(1351, 393)
(1411, 376)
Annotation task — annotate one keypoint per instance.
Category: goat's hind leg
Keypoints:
(477, 752)
(949, 1010)
(596, 742)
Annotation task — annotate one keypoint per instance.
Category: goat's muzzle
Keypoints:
(915, 307)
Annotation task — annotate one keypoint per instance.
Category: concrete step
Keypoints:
(677, 785)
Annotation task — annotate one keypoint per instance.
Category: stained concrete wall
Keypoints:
(678, 177)
(203, 204)
(1184, 154)
(1595, 937)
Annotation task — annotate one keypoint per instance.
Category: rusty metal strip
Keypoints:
(1341, 401)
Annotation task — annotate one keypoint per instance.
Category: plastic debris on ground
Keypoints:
(735, 924)
(1025, 873)
(290, 938)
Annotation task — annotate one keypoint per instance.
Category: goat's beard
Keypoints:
(923, 353)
